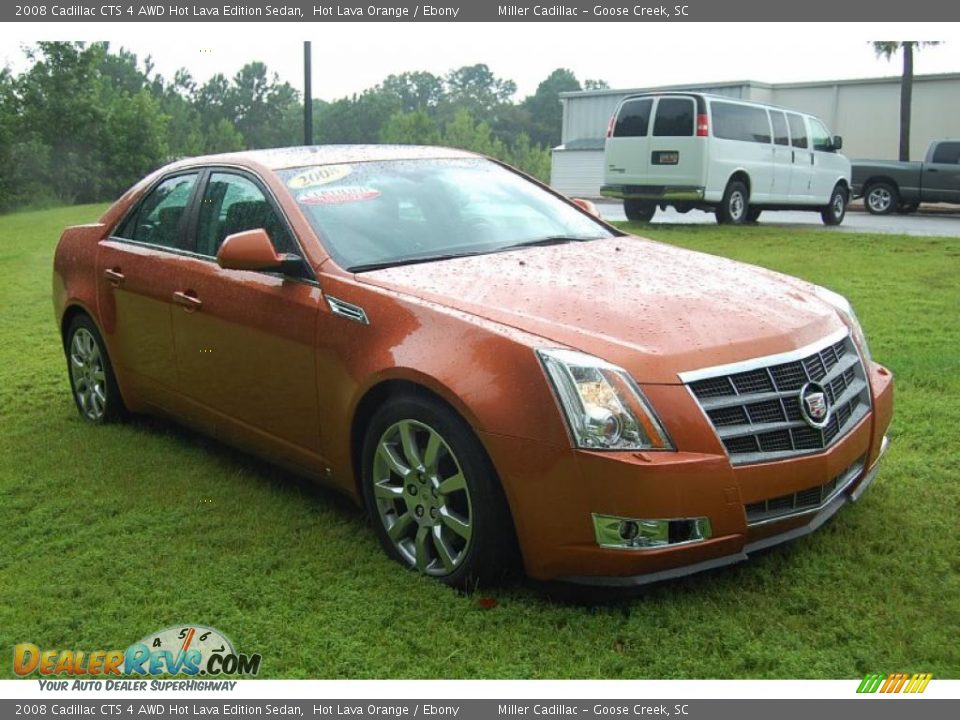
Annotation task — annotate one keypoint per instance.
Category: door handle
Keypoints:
(932, 170)
(187, 300)
(793, 156)
(114, 276)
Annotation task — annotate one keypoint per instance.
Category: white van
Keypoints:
(737, 158)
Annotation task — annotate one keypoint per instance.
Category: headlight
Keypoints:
(603, 405)
(845, 309)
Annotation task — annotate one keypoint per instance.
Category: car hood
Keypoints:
(654, 309)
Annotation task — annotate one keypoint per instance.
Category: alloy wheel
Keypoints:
(422, 497)
(88, 374)
(879, 199)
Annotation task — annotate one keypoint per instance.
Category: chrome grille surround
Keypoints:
(754, 406)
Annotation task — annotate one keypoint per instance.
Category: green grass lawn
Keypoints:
(111, 533)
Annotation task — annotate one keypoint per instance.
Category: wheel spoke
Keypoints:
(421, 548)
(452, 484)
(399, 528)
(409, 440)
(393, 462)
(460, 526)
(434, 444)
(443, 551)
(387, 492)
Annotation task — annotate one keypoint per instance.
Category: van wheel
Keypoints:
(881, 198)
(753, 214)
(735, 206)
(834, 213)
(639, 210)
(907, 208)
(433, 494)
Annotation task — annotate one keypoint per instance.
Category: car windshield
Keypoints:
(377, 214)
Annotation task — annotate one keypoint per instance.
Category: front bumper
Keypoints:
(555, 493)
(850, 492)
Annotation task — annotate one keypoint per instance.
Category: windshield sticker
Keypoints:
(337, 196)
(320, 175)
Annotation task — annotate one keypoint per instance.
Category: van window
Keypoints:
(634, 118)
(740, 122)
(820, 136)
(947, 152)
(780, 134)
(674, 118)
(798, 130)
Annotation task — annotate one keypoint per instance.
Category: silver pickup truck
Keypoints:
(888, 186)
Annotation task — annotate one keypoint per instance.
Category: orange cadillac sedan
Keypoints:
(493, 371)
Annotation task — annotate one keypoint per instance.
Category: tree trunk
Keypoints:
(906, 98)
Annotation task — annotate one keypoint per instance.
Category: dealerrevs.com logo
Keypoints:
(180, 650)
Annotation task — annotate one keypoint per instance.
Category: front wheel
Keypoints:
(92, 381)
(433, 494)
(881, 198)
(639, 210)
(836, 210)
(735, 206)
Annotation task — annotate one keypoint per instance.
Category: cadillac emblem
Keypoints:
(815, 405)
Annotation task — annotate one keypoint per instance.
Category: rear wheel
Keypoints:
(834, 212)
(433, 494)
(639, 210)
(92, 381)
(735, 206)
(881, 198)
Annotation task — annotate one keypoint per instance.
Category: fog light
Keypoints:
(647, 534)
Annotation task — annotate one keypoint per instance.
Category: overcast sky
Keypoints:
(349, 57)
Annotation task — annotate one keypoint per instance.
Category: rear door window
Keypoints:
(158, 220)
(948, 153)
(780, 134)
(740, 122)
(798, 130)
(675, 118)
(633, 119)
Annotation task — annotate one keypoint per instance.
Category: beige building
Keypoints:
(865, 112)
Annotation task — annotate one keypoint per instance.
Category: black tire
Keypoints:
(490, 553)
(92, 380)
(753, 214)
(907, 208)
(836, 210)
(881, 198)
(639, 210)
(735, 206)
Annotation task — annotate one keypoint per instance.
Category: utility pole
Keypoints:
(307, 96)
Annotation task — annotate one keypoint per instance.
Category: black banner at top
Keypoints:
(478, 11)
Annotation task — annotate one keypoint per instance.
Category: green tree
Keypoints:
(410, 128)
(477, 90)
(887, 49)
(544, 108)
(416, 91)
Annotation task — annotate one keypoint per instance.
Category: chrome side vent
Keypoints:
(347, 310)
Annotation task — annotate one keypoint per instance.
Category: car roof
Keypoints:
(302, 156)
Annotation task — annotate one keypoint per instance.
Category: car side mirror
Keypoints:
(586, 206)
(253, 250)
(836, 143)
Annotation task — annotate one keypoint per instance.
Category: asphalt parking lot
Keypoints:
(945, 224)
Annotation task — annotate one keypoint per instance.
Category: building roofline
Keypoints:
(754, 83)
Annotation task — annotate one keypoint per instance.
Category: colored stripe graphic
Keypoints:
(894, 683)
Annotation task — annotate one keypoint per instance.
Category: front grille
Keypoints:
(803, 501)
(756, 412)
